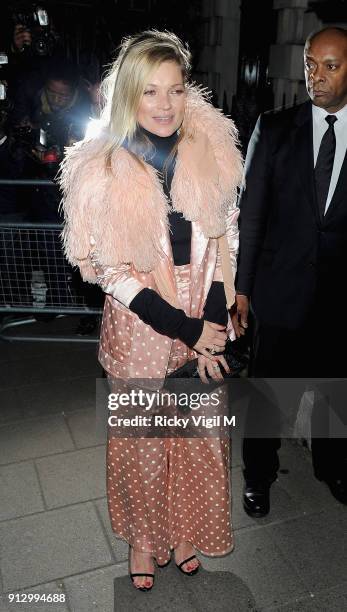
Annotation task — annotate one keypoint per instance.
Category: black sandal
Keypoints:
(143, 588)
(136, 574)
(192, 572)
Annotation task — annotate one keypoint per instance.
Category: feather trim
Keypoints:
(126, 210)
(209, 169)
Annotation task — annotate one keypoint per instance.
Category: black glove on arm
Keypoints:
(165, 319)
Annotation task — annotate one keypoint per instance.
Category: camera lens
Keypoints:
(41, 46)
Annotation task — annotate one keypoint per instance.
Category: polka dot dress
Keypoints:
(163, 491)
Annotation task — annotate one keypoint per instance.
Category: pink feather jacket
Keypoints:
(116, 229)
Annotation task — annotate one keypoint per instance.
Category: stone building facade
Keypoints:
(296, 19)
(218, 61)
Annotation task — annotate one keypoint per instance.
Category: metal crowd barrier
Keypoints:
(35, 277)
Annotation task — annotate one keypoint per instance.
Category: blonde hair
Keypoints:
(126, 80)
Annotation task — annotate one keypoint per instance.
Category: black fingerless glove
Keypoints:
(166, 319)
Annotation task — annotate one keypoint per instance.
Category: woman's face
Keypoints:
(162, 104)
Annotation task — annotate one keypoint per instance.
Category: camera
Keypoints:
(44, 144)
(35, 19)
(4, 104)
(39, 145)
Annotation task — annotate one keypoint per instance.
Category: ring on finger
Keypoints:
(215, 366)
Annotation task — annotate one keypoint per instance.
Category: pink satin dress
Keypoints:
(163, 491)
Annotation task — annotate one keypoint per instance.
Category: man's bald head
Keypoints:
(325, 58)
(329, 32)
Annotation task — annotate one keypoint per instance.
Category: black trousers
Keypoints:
(316, 350)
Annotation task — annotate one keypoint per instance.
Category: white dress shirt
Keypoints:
(320, 126)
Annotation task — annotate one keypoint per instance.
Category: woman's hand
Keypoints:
(213, 337)
(212, 368)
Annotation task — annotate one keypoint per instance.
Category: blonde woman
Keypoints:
(144, 204)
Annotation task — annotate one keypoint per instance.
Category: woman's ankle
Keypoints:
(185, 550)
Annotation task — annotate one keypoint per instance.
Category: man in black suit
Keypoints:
(293, 256)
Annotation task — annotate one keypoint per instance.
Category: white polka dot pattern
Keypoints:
(163, 491)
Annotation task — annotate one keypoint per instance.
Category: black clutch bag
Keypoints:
(235, 360)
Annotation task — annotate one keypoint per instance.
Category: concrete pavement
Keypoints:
(55, 533)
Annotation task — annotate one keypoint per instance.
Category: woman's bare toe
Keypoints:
(141, 563)
(183, 551)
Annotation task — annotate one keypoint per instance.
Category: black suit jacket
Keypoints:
(283, 240)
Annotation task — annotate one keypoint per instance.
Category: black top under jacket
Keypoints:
(148, 304)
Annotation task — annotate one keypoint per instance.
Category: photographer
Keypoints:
(33, 41)
(44, 120)
(20, 61)
(10, 209)
(58, 105)
(21, 38)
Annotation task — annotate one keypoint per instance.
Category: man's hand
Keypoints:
(21, 37)
(239, 315)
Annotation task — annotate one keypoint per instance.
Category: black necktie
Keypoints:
(325, 163)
